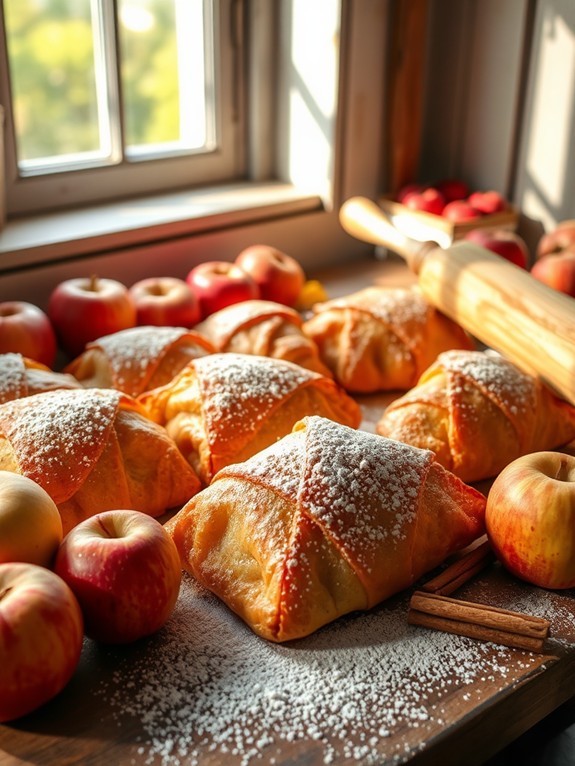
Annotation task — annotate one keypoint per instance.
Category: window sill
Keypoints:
(106, 228)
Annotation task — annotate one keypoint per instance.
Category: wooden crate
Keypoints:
(425, 227)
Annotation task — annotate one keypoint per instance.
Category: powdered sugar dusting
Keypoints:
(56, 435)
(393, 305)
(239, 390)
(498, 378)
(12, 376)
(352, 475)
(278, 466)
(130, 352)
(208, 689)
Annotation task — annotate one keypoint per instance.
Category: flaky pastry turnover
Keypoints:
(478, 412)
(20, 377)
(223, 408)
(94, 450)
(264, 328)
(137, 359)
(326, 521)
(381, 338)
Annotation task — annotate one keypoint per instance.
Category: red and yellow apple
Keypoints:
(507, 244)
(279, 277)
(27, 330)
(429, 200)
(30, 523)
(561, 238)
(218, 284)
(125, 571)
(530, 518)
(87, 308)
(40, 640)
(165, 302)
(487, 202)
(460, 211)
(557, 271)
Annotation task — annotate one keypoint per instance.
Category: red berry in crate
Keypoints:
(487, 202)
(460, 211)
(428, 201)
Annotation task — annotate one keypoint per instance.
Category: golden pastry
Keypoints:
(478, 412)
(263, 328)
(381, 338)
(223, 408)
(326, 521)
(94, 450)
(137, 359)
(20, 377)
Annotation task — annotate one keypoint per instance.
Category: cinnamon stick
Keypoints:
(487, 623)
(462, 570)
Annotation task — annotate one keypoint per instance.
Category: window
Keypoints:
(131, 95)
(311, 136)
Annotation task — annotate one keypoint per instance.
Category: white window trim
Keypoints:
(129, 240)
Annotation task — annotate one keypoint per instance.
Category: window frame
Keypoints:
(31, 194)
(170, 233)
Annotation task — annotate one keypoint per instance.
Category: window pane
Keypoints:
(163, 75)
(59, 112)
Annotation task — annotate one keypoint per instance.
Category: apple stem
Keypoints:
(5, 592)
(93, 283)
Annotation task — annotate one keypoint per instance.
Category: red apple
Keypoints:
(507, 244)
(452, 189)
(40, 638)
(27, 330)
(218, 284)
(460, 211)
(87, 308)
(557, 271)
(30, 522)
(165, 302)
(487, 202)
(125, 571)
(278, 276)
(562, 237)
(408, 189)
(530, 518)
(430, 200)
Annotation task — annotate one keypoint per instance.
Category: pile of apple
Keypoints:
(86, 308)
(555, 258)
(115, 577)
(452, 199)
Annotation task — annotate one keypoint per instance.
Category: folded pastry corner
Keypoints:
(21, 376)
(478, 412)
(326, 521)
(225, 407)
(137, 359)
(382, 338)
(94, 450)
(264, 328)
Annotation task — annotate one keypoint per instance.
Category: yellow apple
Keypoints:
(530, 519)
(30, 523)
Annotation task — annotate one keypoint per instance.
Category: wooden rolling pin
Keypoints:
(500, 304)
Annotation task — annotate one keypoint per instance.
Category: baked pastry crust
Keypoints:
(224, 408)
(21, 376)
(94, 450)
(382, 338)
(264, 328)
(137, 359)
(478, 412)
(326, 521)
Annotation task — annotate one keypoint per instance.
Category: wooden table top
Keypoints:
(366, 689)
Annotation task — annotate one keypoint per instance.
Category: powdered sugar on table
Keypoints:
(208, 691)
